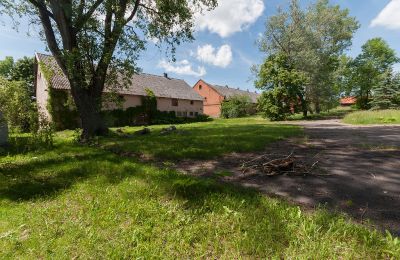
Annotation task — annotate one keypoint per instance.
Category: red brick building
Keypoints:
(214, 95)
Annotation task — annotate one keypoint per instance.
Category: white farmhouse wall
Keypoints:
(3, 130)
(42, 94)
(184, 106)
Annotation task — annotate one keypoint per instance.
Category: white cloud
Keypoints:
(220, 58)
(389, 16)
(230, 16)
(182, 68)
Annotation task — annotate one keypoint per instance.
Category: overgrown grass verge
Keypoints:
(335, 113)
(373, 117)
(81, 202)
(203, 140)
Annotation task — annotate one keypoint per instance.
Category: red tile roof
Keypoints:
(348, 100)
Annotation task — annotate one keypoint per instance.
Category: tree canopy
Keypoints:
(369, 68)
(312, 39)
(93, 40)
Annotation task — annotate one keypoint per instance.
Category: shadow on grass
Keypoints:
(338, 113)
(203, 143)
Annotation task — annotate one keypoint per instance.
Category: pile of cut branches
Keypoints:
(272, 165)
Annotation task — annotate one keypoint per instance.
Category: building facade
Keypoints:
(214, 95)
(173, 95)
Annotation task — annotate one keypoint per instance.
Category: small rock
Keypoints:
(168, 130)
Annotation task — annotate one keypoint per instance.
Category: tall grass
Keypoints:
(373, 117)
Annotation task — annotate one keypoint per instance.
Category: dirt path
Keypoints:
(363, 164)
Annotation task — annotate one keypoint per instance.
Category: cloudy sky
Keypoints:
(225, 49)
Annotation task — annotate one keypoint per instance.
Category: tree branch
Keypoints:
(82, 18)
(42, 6)
(51, 38)
(137, 4)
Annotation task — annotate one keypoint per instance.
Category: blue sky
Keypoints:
(225, 49)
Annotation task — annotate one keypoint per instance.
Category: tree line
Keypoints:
(306, 69)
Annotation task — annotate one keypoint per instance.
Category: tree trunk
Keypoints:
(88, 103)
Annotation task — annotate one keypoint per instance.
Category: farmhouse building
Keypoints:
(214, 95)
(348, 101)
(173, 95)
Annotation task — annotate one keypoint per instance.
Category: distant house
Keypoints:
(3, 130)
(214, 95)
(173, 95)
(348, 101)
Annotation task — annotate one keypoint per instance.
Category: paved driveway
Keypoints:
(362, 163)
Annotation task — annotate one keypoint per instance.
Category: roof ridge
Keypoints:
(232, 88)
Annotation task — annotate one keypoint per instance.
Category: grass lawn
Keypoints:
(373, 117)
(338, 112)
(86, 203)
(203, 140)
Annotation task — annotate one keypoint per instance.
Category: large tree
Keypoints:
(283, 87)
(369, 68)
(94, 40)
(313, 40)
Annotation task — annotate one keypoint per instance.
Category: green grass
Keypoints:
(335, 113)
(86, 203)
(373, 117)
(203, 140)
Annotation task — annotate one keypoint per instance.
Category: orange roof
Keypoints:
(348, 100)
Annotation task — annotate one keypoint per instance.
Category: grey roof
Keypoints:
(160, 85)
(228, 92)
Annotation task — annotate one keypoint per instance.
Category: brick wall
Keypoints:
(212, 99)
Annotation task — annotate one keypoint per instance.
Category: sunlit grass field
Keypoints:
(373, 117)
(80, 202)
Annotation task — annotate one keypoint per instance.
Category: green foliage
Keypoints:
(16, 104)
(284, 88)
(275, 104)
(94, 41)
(302, 35)
(21, 70)
(81, 202)
(6, 67)
(149, 104)
(62, 109)
(237, 106)
(369, 69)
(387, 93)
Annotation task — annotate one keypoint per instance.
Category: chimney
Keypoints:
(166, 75)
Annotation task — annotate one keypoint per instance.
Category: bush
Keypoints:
(275, 104)
(237, 106)
(16, 104)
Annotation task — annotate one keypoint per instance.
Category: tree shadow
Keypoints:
(202, 143)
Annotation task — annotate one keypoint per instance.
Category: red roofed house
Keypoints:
(214, 95)
(348, 101)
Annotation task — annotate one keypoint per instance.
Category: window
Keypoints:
(200, 87)
(196, 113)
(184, 114)
(179, 113)
(191, 113)
(174, 102)
(191, 102)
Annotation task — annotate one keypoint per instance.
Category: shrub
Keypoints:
(16, 105)
(275, 104)
(237, 106)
